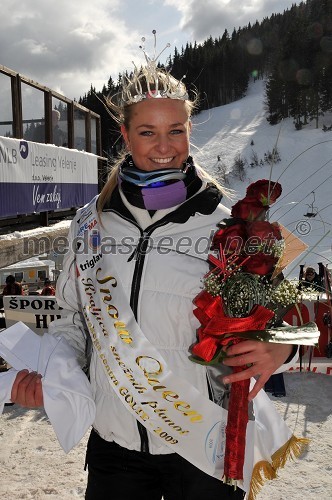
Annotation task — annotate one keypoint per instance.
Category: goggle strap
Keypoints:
(142, 179)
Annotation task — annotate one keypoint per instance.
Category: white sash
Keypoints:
(168, 406)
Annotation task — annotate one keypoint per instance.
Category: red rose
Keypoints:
(262, 236)
(265, 191)
(264, 230)
(231, 238)
(260, 263)
(248, 209)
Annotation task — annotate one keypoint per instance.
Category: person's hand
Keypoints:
(262, 358)
(27, 389)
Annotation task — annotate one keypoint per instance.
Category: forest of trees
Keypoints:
(292, 51)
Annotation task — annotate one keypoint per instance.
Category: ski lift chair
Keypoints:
(311, 213)
(312, 210)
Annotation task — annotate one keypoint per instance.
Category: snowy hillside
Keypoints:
(305, 166)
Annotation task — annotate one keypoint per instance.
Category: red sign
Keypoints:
(311, 311)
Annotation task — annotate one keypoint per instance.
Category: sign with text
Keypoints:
(40, 177)
(35, 311)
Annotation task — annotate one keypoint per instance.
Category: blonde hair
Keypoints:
(121, 111)
(111, 183)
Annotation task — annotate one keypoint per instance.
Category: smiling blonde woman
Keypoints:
(138, 255)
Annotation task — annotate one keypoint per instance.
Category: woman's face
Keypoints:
(158, 134)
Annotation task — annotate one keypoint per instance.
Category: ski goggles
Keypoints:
(156, 178)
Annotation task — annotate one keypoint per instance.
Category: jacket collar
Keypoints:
(205, 203)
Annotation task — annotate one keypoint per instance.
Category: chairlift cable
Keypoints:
(307, 178)
(300, 154)
(273, 163)
(327, 206)
(322, 257)
(302, 199)
(323, 222)
(309, 250)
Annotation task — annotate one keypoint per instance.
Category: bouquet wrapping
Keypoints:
(245, 296)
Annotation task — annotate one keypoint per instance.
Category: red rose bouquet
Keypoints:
(245, 296)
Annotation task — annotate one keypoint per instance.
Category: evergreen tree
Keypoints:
(293, 50)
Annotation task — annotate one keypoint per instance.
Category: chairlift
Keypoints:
(312, 210)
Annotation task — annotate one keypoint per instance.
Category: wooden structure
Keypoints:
(22, 97)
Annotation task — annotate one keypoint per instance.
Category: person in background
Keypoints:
(12, 287)
(155, 193)
(59, 137)
(48, 289)
(309, 278)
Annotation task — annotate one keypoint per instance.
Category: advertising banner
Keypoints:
(35, 311)
(41, 177)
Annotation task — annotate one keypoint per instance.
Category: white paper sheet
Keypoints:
(66, 389)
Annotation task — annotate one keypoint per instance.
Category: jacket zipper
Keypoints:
(135, 287)
(139, 255)
(135, 290)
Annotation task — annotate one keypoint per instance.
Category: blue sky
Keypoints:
(69, 45)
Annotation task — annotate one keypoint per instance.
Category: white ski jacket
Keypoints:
(160, 266)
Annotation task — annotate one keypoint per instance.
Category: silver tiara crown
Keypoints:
(151, 82)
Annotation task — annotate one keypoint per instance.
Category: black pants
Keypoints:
(276, 385)
(116, 473)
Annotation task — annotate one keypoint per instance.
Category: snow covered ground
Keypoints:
(34, 467)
